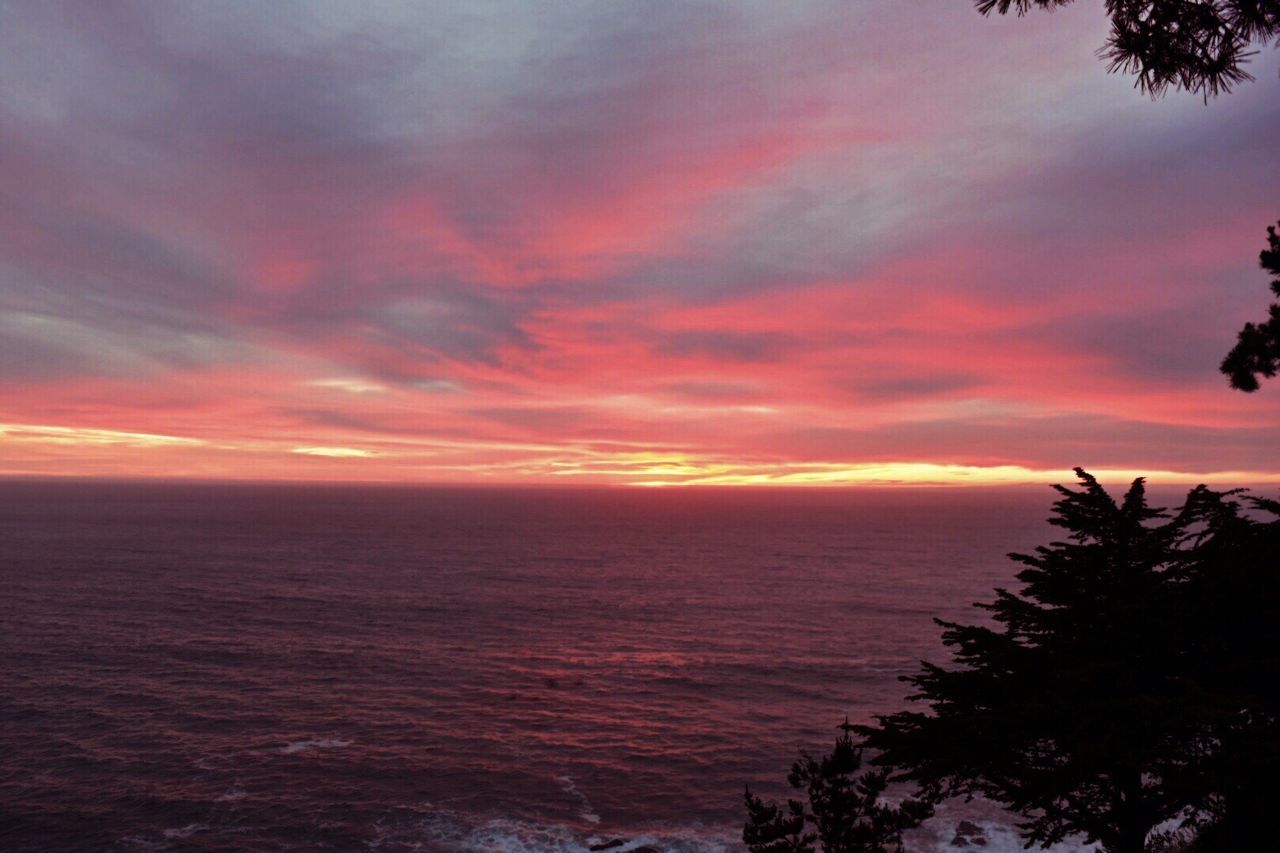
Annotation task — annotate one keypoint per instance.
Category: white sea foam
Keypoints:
(445, 830)
(997, 839)
(442, 829)
(309, 745)
(185, 831)
(943, 834)
(586, 813)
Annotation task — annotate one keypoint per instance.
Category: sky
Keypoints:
(797, 243)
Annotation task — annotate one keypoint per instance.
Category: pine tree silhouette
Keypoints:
(1257, 351)
(845, 809)
(1197, 45)
(1058, 710)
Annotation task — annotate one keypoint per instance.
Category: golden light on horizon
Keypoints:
(405, 460)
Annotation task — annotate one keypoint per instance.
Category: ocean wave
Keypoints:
(959, 827)
(185, 831)
(310, 745)
(459, 833)
(587, 813)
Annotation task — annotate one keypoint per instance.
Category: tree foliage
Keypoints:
(1054, 710)
(1131, 681)
(1197, 45)
(843, 812)
(1257, 350)
(1231, 629)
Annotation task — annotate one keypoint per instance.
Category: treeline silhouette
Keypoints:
(1127, 695)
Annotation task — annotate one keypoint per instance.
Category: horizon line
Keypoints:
(1107, 477)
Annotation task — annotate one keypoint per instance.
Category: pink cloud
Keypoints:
(690, 244)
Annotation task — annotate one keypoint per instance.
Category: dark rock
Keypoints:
(968, 833)
(607, 845)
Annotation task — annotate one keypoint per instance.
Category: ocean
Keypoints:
(272, 667)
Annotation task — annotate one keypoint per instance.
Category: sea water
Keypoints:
(267, 667)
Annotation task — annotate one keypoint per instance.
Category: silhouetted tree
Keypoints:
(1230, 627)
(1196, 45)
(1257, 351)
(1132, 681)
(1065, 708)
(769, 829)
(846, 810)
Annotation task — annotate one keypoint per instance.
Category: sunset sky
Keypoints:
(620, 242)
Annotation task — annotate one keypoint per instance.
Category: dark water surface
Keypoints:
(213, 667)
